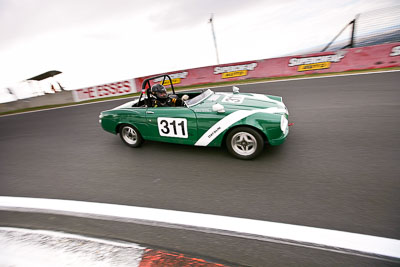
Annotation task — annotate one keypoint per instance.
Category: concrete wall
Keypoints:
(48, 99)
(360, 58)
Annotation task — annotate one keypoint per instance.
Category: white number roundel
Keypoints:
(234, 99)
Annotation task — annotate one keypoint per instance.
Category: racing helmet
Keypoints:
(159, 91)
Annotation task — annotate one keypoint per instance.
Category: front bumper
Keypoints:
(279, 140)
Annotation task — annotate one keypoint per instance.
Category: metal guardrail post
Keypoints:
(353, 31)
(327, 46)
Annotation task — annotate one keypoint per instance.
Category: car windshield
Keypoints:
(199, 98)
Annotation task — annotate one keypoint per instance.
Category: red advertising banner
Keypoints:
(105, 90)
(370, 57)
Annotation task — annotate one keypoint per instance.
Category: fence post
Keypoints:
(353, 31)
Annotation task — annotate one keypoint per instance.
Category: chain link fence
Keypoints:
(370, 28)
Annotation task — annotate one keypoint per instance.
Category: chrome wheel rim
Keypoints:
(129, 135)
(244, 143)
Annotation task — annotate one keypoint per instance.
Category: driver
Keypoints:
(162, 99)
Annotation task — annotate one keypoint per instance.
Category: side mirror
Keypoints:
(218, 108)
(235, 90)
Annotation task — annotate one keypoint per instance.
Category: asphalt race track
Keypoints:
(339, 169)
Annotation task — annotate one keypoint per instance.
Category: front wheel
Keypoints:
(130, 136)
(244, 143)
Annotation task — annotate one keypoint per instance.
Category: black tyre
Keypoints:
(130, 136)
(244, 143)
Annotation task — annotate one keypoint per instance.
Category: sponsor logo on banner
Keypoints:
(395, 51)
(316, 63)
(234, 71)
(105, 90)
(175, 77)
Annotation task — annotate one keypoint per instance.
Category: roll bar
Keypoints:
(146, 84)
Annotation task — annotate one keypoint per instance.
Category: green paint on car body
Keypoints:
(197, 123)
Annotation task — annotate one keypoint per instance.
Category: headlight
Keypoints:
(284, 124)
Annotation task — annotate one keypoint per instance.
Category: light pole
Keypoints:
(213, 33)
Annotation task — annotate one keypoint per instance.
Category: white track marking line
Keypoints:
(70, 106)
(183, 90)
(338, 241)
(321, 77)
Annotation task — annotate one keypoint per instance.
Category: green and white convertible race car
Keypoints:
(244, 122)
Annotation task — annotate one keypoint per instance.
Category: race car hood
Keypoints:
(232, 101)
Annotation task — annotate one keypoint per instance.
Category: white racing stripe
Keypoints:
(338, 241)
(229, 120)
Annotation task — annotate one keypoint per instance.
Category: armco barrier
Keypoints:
(371, 57)
(105, 90)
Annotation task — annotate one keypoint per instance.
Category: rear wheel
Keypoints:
(130, 136)
(244, 143)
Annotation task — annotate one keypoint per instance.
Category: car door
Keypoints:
(172, 124)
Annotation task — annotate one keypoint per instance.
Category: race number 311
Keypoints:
(172, 127)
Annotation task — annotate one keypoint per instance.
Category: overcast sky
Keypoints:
(100, 41)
